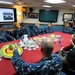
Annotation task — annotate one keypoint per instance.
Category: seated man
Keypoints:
(37, 30)
(49, 28)
(50, 64)
(4, 37)
(26, 30)
(21, 31)
(69, 60)
(67, 28)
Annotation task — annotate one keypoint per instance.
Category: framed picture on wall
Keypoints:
(67, 16)
(33, 15)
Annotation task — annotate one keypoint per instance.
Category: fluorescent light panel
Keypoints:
(54, 1)
(73, 5)
(3, 2)
(46, 6)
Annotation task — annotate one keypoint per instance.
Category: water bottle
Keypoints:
(60, 41)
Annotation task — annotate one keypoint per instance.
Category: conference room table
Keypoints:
(32, 56)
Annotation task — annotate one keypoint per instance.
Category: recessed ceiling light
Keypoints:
(73, 5)
(46, 6)
(54, 1)
(3, 2)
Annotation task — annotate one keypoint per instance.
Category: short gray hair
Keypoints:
(47, 47)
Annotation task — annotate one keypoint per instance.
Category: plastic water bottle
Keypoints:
(60, 41)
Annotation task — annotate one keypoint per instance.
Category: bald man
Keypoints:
(50, 64)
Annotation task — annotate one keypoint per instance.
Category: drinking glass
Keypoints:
(25, 47)
(29, 48)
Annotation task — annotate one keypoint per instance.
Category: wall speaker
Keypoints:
(31, 9)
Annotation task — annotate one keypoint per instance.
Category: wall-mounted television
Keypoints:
(48, 15)
(7, 15)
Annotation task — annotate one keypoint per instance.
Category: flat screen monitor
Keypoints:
(48, 15)
(7, 15)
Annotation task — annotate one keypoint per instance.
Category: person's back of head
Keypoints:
(47, 46)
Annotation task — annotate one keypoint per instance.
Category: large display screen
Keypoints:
(7, 15)
(48, 15)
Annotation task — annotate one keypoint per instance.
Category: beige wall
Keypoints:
(60, 16)
(19, 10)
(23, 18)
